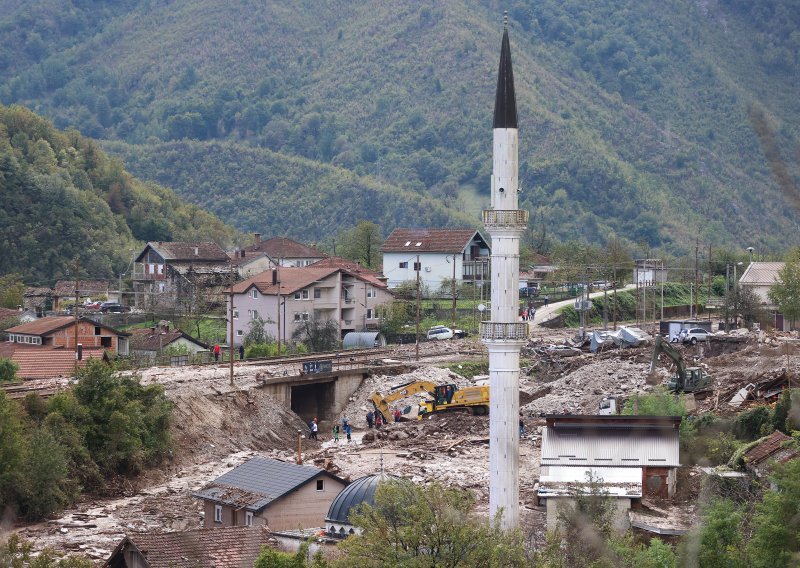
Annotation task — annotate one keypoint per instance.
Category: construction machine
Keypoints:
(443, 397)
(687, 379)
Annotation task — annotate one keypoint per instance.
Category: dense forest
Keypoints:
(658, 122)
(64, 200)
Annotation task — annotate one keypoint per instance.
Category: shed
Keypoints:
(361, 339)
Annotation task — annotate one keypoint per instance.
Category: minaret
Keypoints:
(504, 335)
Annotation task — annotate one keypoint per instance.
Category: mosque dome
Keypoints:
(362, 490)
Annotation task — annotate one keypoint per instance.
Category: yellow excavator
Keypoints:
(443, 397)
(687, 379)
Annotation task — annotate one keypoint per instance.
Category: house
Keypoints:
(150, 342)
(760, 277)
(59, 331)
(626, 457)
(64, 292)
(43, 362)
(325, 291)
(770, 450)
(277, 251)
(39, 299)
(262, 491)
(166, 274)
(443, 254)
(230, 547)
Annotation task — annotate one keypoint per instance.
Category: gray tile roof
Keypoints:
(257, 482)
(763, 273)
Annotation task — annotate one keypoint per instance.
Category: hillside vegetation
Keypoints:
(662, 122)
(63, 199)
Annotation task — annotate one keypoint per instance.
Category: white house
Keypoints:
(760, 277)
(442, 253)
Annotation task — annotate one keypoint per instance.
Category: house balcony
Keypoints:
(477, 269)
(143, 272)
(492, 331)
(505, 219)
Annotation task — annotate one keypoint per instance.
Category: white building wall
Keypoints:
(435, 268)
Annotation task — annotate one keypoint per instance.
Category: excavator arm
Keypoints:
(381, 402)
(662, 346)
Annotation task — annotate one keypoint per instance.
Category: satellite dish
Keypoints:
(481, 307)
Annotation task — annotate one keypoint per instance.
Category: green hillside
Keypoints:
(63, 199)
(663, 122)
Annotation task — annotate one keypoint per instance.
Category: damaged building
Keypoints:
(624, 457)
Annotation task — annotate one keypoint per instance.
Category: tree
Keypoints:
(427, 526)
(46, 486)
(11, 290)
(15, 553)
(271, 558)
(11, 450)
(776, 540)
(785, 293)
(317, 334)
(717, 540)
(362, 244)
(743, 302)
(256, 335)
(8, 370)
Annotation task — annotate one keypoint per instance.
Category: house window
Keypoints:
(217, 513)
(235, 314)
(404, 265)
(371, 292)
(317, 293)
(320, 485)
(98, 330)
(248, 518)
(305, 316)
(252, 314)
(370, 313)
(301, 295)
(297, 316)
(254, 293)
(239, 332)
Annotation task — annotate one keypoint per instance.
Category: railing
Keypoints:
(513, 218)
(349, 300)
(516, 331)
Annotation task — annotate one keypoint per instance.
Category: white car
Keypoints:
(695, 334)
(440, 332)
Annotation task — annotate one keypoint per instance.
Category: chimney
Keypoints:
(257, 239)
(274, 277)
(165, 327)
(79, 352)
(196, 251)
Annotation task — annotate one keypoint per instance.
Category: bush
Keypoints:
(8, 370)
(754, 423)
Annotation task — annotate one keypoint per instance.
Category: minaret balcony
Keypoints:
(505, 219)
(493, 331)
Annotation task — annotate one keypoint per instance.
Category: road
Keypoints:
(544, 313)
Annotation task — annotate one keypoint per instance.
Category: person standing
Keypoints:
(241, 352)
(216, 352)
(370, 418)
(546, 300)
(346, 426)
(397, 414)
(378, 421)
(336, 432)
(314, 429)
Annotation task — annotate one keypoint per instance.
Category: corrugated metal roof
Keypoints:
(761, 273)
(614, 481)
(258, 482)
(623, 447)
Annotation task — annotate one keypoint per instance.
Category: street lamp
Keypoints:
(750, 250)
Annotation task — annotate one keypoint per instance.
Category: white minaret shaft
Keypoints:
(504, 335)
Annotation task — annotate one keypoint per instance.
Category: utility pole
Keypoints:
(417, 267)
(75, 309)
(230, 319)
(614, 308)
(454, 291)
(696, 274)
(709, 281)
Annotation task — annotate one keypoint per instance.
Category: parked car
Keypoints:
(601, 284)
(695, 334)
(113, 308)
(440, 332)
(528, 292)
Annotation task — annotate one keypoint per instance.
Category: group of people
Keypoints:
(528, 313)
(345, 427)
(218, 352)
(376, 418)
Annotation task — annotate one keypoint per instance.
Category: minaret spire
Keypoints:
(505, 104)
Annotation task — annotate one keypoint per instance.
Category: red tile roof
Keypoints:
(45, 326)
(281, 247)
(42, 291)
(183, 251)
(449, 241)
(771, 448)
(352, 268)
(44, 362)
(291, 280)
(8, 313)
(224, 547)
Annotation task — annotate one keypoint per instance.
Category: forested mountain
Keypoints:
(63, 199)
(660, 121)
